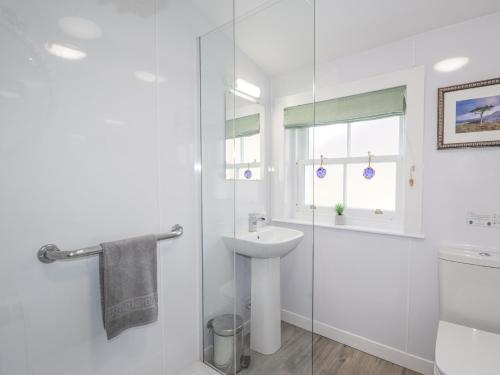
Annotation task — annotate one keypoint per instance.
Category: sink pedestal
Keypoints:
(265, 247)
(265, 334)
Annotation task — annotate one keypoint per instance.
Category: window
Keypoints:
(344, 148)
(243, 153)
(382, 114)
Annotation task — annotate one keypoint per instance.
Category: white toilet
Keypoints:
(468, 340)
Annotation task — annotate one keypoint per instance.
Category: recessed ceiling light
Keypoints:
(451, 64)
(67, 51)
(80, 27)
(148, 77)
(247, 88)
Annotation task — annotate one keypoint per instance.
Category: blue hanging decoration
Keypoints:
(369, 172)
(248, 173)
(321, 171)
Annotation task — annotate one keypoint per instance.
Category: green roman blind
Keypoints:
(366, 106)
(243, 126)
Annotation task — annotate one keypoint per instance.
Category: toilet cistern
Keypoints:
(468, 335)
(253, 220)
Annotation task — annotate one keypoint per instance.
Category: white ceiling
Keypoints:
(278, 34)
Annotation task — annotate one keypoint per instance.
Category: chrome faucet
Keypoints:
(253, 220)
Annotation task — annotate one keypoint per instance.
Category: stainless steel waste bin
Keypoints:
(228, 342)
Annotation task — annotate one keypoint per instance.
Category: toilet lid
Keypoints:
(462, 350)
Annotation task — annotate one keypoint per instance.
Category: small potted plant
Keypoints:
(340, 217)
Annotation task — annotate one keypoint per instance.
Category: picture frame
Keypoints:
(469, 115)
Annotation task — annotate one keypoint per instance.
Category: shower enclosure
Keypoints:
(297, 122)
(249, 292)
(95, 146)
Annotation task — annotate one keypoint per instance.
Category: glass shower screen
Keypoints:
(257, 304)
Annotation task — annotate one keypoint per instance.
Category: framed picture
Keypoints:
(469, 115)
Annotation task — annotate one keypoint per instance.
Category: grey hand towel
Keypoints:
(128, 278)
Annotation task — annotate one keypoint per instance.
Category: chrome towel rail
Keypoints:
(50, 253)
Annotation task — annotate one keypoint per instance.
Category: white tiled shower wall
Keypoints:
(90, 153)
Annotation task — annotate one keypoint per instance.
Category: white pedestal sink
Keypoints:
(265, 247)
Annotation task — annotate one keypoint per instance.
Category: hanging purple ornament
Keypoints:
(369, 172)
(248, 173)
(321, 171)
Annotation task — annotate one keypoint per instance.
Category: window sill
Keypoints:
(353, 228)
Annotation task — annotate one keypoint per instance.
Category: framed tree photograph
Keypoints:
(469, 115)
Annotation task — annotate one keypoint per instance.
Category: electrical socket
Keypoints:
(483, 220)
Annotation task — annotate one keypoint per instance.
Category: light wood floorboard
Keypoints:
(330, 358)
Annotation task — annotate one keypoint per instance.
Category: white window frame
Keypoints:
(360, 215)
(283, 193)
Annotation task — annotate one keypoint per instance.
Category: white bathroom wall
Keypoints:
(384, 289)
(90, 153)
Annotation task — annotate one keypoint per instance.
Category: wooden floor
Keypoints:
(330, 358)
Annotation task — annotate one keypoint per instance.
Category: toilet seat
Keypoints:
(462, 350)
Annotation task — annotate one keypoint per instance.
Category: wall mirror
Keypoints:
(244, 127)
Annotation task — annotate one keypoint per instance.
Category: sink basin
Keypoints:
(265, 247)
(268, 242)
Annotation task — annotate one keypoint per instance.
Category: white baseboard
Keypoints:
(377, 349)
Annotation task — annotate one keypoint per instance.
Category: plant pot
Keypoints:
(339, 219)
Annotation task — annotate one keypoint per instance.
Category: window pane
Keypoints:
(328, 191)
(380, 137)
(379, 192)
(251, 148)
(329, 141)
(233, 150)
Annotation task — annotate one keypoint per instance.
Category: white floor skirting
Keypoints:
(377, 349)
